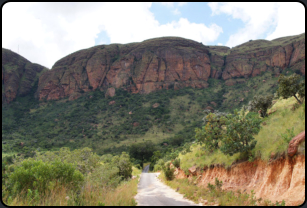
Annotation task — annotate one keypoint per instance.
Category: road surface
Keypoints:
(152, 192)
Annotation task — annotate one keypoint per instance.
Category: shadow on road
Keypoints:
(152, 192)
(146, 169)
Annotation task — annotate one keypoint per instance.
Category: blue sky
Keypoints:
(46, 32)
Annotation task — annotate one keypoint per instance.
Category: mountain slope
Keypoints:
(269, 171)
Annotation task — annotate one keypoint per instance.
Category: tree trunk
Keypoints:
(297, 99)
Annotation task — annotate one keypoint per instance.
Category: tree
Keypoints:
(154, 158)
(142, 151)
(213, 131)
(290, 86)
(239, 135)
(261, 104)
(124, 165)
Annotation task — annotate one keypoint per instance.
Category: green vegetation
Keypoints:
(229, 133)
(260, 104)
(269, 139)
(64, 177)
(89, 121)
(168, 172)
(212, 133)
(240, 133)
(290, 86)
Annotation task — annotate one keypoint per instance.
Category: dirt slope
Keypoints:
(280, 179)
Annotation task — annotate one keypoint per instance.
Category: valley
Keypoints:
(101, 114)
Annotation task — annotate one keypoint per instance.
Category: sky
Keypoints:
(44, 32)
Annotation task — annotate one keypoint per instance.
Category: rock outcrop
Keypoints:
(168, 63)
(110, 92)
(18, 75)
(294, 143)
(280, 179)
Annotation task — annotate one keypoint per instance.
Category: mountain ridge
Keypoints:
(168, 62)
(150, 65)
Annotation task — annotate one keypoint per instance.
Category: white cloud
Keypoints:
(176, 11)
(168, 4)
(290, 20)
(260, 18)
(220, 44)
(182, 3)
(47, 32)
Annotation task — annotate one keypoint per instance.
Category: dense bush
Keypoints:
(212, 133)
(260, 103)
(106, 175)
(176, 163)
(43, 176)
(168, 172)
(159, 165)
(123, 164)
(240, 132)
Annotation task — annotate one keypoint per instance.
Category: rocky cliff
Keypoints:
(18, 75)
(276, 180)
(168, 62)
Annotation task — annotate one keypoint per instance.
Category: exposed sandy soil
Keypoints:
(280, 179)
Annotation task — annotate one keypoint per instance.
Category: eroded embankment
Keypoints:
(280, 179)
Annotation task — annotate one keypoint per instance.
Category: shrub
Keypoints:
(260, 103)
(176, 163)
(212, 132)
(240, 131)
(288, 136)
(168, 172)
(37, 175)
(106, 175)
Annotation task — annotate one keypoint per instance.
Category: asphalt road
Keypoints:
(152, 192)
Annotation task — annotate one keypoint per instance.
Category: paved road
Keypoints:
(152, 192)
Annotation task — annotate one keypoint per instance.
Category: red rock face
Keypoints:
(167, 63)
(18, 75)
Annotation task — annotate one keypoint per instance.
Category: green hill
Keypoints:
(91, 121)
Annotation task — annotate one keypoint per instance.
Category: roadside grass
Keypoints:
(213, 195)
(90, 195)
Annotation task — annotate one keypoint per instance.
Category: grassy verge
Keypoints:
(213, 195)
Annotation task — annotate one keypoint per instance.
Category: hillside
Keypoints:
(190, 77)
(269, 171)
(19, 75)
(106, 125)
